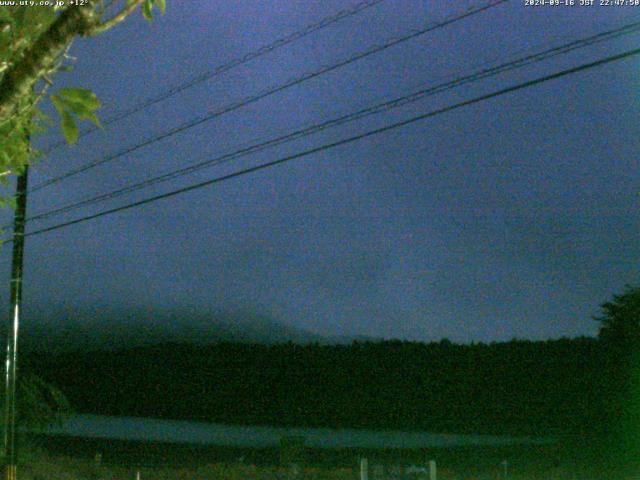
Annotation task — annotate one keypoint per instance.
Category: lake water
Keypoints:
(201, 433)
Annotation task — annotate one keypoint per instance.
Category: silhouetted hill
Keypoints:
(113, 329)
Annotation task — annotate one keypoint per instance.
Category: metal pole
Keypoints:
(433, 472)
(364, 469)
(9, 444)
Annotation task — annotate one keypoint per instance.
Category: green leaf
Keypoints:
(58, 103)
(79, 109)
(80, 95)
(78, 101)
(147, 5)
(91, 117)
(69, 127)
(83, 113)
(162, 6)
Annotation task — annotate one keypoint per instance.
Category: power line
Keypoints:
(236, 62)
(358, 115)
(273, 90)
(345, 141)
(248, 100)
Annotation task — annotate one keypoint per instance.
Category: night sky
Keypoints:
(514, 217)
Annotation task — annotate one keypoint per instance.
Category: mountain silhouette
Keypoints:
(116, 328)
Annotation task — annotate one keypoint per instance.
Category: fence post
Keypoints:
(364, 469)
(505, 465)
(433, 473)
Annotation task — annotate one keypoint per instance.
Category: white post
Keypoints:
(138, 475)
(364, 469)
(433, 474)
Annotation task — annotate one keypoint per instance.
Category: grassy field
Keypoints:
(38, 465)
(42, 467)
(571, 458)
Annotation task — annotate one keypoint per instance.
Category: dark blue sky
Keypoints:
(515, 217)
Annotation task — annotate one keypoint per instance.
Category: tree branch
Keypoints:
(38, 59)
(115, 20)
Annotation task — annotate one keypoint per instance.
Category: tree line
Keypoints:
(565, 386)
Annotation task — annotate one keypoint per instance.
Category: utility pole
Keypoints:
(9, 444)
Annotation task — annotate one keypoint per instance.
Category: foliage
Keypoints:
(620, 319)
(40, 402)
(147, 8)
(79, 102)
(620, 337)
(34, 41)
(19, 28)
